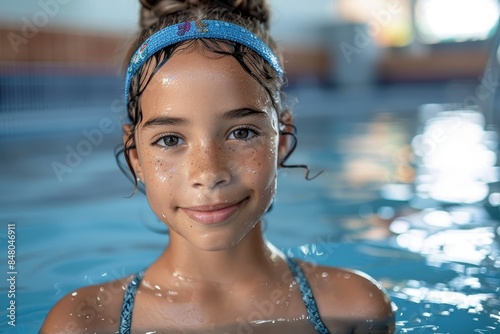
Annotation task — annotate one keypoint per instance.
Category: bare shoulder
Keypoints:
(351, 296)
(92, 309)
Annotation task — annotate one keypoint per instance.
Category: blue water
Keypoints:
(81, 228)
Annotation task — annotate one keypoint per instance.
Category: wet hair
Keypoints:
(254, 15)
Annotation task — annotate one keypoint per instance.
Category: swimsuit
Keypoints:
(298, 274)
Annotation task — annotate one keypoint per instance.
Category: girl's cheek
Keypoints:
(157, 168)
(260, 159)
(163, 171)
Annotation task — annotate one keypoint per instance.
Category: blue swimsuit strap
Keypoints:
(298, 274)
(128, 303)
(307, 297)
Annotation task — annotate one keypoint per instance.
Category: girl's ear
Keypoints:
(286, 126)
(131, 150)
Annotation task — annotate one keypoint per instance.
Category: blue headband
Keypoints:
(193, 30)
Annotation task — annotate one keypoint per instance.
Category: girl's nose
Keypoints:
(209, 167)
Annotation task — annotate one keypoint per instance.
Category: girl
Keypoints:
(207, 133)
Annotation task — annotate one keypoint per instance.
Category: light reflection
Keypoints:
(494, 199)
(438, 218)
(399, 226)
(469, 20)
(456, 156)
(443, 299)
(466, 246)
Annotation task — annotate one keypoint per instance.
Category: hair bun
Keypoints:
(251, 9)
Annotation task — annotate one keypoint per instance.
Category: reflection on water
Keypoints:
(450, 227)
(456, 156)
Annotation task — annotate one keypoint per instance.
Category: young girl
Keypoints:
(207, 133)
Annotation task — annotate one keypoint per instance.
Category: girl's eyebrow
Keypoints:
(243, 112)
(228, 115)
(164, 120)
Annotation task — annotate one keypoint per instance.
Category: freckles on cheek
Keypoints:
(163, 172)
(258, 164)
(157, 169)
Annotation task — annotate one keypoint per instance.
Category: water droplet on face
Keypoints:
(347, 276)
(74, 293)
(324, 275)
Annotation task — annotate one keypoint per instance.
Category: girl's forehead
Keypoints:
(201, 78)
(196, 62)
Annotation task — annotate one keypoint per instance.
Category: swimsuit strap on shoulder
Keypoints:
(128, 303)
(300, 278)
(307, 297)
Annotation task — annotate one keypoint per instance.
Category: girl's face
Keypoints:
(207, 149)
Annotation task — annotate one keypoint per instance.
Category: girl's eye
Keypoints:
(242, 134)
(169, 141)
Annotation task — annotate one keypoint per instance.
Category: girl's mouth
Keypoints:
(212, 213)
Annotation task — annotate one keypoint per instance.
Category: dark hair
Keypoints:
(250, 14)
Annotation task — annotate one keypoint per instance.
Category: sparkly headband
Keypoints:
(193, 30)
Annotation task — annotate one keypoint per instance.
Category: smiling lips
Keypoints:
(212, 214)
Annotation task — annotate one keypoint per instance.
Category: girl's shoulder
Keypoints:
(94, 308)
(349, 295)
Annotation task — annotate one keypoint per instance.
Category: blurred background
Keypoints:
(395, 100)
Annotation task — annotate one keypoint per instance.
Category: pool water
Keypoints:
(439, 263)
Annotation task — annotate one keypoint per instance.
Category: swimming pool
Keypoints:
(76, 226)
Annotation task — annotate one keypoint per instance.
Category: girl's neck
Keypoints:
(252, 258)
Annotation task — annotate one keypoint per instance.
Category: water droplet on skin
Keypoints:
(101, 289)
(324, 275)
(347, 276)
(74, 293)
(157, 287)
(371, 294)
